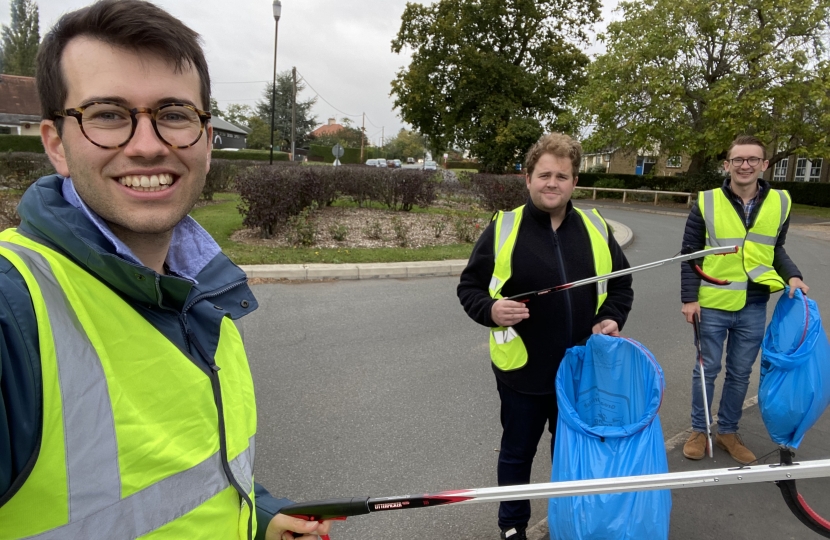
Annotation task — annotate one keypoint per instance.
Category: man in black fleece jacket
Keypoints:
(553, 246)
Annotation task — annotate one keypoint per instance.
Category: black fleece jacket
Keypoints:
(694, 239)
(544, 258)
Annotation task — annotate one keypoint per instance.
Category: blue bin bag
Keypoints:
(795, 370)
(609, 392)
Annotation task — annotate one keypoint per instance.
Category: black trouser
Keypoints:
(523, 418)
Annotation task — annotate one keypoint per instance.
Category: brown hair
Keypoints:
(134, 25)
(747, 139)
(557, 144)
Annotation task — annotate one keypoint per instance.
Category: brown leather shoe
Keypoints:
(732, 443)
(695, 447)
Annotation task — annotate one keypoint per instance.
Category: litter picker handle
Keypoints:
(328, 509)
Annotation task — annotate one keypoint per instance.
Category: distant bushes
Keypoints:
(248, 155)
(272, 196)
(499, 191)
(21, 143)
(18, 170)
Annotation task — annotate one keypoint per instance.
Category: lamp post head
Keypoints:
(277, 9)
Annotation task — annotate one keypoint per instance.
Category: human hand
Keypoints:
(607, 327)
(796, 283)
(284, 527)
(690, 309)
(508, 312)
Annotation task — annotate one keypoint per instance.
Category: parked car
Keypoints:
(430, 165)
(381, 163)
(372, 162)
(396, 163)
(410, 160)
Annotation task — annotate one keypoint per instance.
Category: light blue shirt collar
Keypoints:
(191, 247)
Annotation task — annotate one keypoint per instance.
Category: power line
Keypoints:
(238, 82)
(324, 99)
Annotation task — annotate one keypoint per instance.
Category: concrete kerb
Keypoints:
(399, 270)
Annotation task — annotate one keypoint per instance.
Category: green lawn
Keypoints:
(222, 219)
(812, 211)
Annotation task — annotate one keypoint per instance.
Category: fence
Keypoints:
(625, 191)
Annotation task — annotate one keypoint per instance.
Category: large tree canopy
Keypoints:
(20, 39)
(685, 76)
(490, 75)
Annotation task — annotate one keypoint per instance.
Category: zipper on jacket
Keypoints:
(569, 321)
(223, 446)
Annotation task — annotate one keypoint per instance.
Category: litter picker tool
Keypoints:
(723, 250)
(784, 473)
(696, 324)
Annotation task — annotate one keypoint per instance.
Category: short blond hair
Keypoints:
(556, 144)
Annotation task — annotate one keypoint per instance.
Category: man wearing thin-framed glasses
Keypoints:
(731, 303)
(126, 401)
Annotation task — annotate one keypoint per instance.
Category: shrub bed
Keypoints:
(18, 170)
(500, 191)
(21, 143)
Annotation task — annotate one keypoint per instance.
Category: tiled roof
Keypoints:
(18, 95)
(327, 129)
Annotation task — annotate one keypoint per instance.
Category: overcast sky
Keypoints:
(341, 49)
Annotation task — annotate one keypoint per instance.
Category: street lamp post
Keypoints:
(277, 10)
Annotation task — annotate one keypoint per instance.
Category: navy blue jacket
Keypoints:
(694, 239)
(167, 302)
(544, 258)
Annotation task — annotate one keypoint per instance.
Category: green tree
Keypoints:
(305, 120)
(260, 136)
(21, 39)
(214, 108)
(490, 75)
(238, 114)
(684, 76)
(406, 144)
(349, 136)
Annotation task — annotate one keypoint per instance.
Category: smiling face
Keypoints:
(745, 175)
(110, 181)
(551, 183)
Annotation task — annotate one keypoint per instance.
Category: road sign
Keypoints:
(337, 150)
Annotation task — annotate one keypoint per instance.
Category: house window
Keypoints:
(779, 174)
(674, 162)
(807, 170)
(6, 130)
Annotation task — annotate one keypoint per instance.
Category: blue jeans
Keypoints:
(523, 418)
(743, 332)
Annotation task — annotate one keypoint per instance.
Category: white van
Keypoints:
(372, 162)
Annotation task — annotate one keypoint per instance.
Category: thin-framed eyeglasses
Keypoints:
(110, 125)
(739, 161)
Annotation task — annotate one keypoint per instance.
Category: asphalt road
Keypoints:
(380, 388)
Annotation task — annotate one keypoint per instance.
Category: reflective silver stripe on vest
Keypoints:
(709, 217)
(96, 509)
(494, 283)
(734, 286)
(756, 272)
(784, 214)
(506, 228)
(602, 286)
(715, 242)
(88, 425)
(158, 504)
(761, 239)
(597, 223)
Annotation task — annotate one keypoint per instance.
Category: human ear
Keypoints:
(53, 145)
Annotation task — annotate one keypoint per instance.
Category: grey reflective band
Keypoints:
(709, 217)
(602, 287)
(151, 508)
(721, 242)
(505, 229)
(784, 207)
(761, 239)
(494, 283)
(758, 271)
(88, 425)
(596, 221)
(734, 286)
(96, 509)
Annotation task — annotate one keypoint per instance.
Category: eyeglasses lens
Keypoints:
(110, 125)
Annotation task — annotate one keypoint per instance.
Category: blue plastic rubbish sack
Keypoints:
(609, 393)
(795, 370)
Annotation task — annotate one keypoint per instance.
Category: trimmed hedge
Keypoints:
(500, 191)
(351, 156)
(463, 165)
(811, 193)
(21, 143)
(272, 195)
(18, 170)
(249, 155)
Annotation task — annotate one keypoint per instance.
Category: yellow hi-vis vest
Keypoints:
(130, 444)
(756, 248)
(507, 350)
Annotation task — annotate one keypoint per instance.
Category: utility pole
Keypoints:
(362, 136)
(382, 140)
(293, 111)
